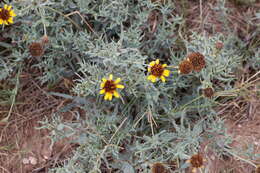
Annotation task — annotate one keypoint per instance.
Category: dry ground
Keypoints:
(24, 149)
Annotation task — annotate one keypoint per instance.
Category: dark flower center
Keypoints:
(110, 86)
(4, 14)
(157, 70)
(196, 161)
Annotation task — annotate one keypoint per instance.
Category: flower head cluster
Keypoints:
(157, 71)
(6, 15)
(196, 162)
(109, 86)
(194, 61)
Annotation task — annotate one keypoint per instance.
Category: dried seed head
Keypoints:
(185, 67)
(219, 45)
(45, 39)
(158, 168)
(196, 161)
(197, 60)
(208, 92)
(36, 49)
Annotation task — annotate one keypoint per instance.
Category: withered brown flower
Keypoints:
(185, 67)
(36, 49)
(208, 92)
(196, 161)
(197, 60)
(158, 168)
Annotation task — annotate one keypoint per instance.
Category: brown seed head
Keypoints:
(196, 161)
(158, 168)
(208, 92)
(219, 45)
(36, 49)
(197, 60)
(185, 67)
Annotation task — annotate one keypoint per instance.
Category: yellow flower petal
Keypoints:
(152, 78)
(117, 80)
(104, 79)
(152, 63)
(116, 94)
(157, 61)
(110, 96)
(1, 21)
(110, 77)
(120, 86)
(102, 85)
(166, 73)
(149, 69)
(10, 20)
(6, 6)
(102, 91)
(164, 65)
(107, 95)
(163, 78)
(12, 13)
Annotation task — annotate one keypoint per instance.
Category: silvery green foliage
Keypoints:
(120, 135)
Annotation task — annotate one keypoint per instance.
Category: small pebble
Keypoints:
(25, 161)
(33, 160)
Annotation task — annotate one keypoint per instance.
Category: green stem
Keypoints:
(182, 107)
(43, 21)
(56, 11)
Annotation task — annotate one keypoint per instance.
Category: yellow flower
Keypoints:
(6, 15)
(157, 70)
(109, 86)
